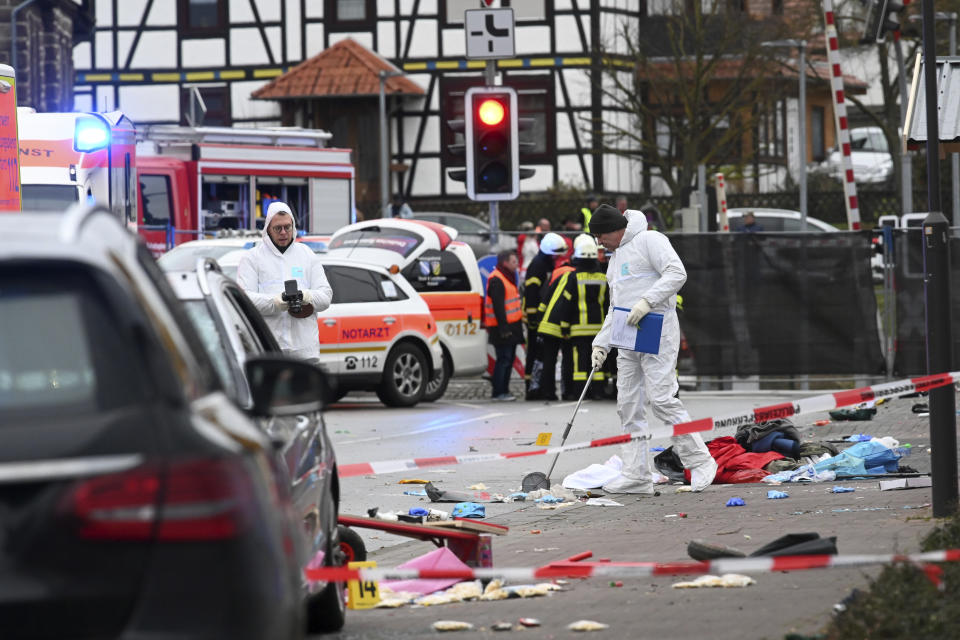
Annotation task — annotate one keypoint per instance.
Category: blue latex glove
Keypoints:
(843, 490)
(777, 495)
(860, 437)
(735, 502)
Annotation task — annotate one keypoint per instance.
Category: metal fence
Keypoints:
(825, 205)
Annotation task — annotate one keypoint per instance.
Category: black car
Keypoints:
(137, 499)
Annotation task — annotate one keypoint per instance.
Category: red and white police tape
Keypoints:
(825, 402)
(569, 569)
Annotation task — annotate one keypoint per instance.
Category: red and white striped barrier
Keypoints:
(568, 569)
(722, 202)
(825, 402)
(840, 115)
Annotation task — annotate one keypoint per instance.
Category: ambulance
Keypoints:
(196, 181)
(78, 157)
(442, 270)
(9, 147)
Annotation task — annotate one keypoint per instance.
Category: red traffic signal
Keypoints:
(491, 112)
(491, 143)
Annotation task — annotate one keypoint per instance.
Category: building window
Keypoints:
(349, 15)
(216, 99)
(201, 18)
(817, 146)
(535, 100)
(771, 131)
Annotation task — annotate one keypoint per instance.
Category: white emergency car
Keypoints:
(378, 334)
(442, 270)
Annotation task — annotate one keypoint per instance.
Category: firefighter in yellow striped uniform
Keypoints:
(574, 313)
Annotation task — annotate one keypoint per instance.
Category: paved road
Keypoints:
(865, 521)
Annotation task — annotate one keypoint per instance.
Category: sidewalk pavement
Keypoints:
(657, 529)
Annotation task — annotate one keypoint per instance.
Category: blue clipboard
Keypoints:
(645, 337)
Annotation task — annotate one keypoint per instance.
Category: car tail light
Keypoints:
(186, 500)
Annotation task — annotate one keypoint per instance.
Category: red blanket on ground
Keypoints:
(735, 464)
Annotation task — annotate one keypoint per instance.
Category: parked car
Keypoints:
(137, 498)
(776, 220)
(183, 257)
(442, 270)
(475, 233)
(377, 335)
(233, 332)
(869, 155)
(790, 221)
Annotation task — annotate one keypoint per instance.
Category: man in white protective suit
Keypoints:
(644, 274)
(262, 273)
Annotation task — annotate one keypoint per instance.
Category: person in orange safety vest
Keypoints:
(503, 318)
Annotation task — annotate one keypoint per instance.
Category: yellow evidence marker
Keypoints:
(543, 439)
(365, 594)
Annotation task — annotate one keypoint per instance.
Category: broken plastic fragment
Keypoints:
(452, 625)
(587, 625)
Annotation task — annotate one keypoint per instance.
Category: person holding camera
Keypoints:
(285, 281)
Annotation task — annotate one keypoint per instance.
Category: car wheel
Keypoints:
(327, 610)
(437, 385)
(352, 545)
(404, 378)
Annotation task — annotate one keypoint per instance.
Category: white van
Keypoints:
(442, 270)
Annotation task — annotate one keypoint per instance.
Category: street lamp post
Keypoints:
(384, 140)
(801, 46)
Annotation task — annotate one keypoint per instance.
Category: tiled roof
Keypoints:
(345, 69)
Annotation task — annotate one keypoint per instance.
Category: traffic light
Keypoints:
(882, 16)
(492, 144)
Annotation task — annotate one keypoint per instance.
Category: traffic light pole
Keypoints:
(490, 74)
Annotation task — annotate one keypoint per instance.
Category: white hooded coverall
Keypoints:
(261, 274)
(645, 265)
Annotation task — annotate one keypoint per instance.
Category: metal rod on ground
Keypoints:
(566, 432)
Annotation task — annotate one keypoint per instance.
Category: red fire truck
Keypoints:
(195, 181)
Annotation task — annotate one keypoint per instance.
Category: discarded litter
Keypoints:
(843, 490)
(726, 580)
(905, 483)
(529, 622)
(616, 584)
(587, 625)
(777, 495)
(535, 531)
(502, 626)
(735, 502)
(412, 481)
(469, 510)
(656, 448)
(859, 437)
(602, 502)
(865, 413)
(478, 487)
(821, 423)
(452, 625)
(419, 511)
(419, 492)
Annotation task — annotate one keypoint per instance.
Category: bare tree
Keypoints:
(693, 87)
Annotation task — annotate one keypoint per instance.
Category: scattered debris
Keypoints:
(535, 531)
(735, 502)
(821, 423)
(452, 625)
(860, 413)
(502, 626)
(859, 437)
(519, 591)
(905, 483)
(777, 495)
(419, 492)
(602, 502)
(843, 490)
(469, 510)
(920, 407)
(412, 481)
(441, 495)
(587, 625)
(617, 583)
(478, 487)
(685, 489)
(726, 580)
(529, 622)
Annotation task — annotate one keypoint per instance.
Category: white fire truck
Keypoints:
(195, 181)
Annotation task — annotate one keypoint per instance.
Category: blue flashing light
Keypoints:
(90, 134)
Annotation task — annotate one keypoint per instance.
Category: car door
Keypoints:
(367, 324)
(299, 439)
